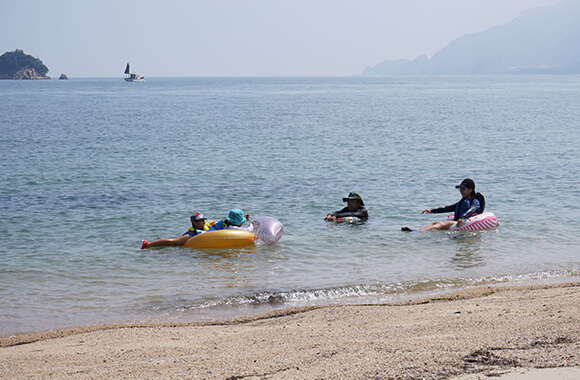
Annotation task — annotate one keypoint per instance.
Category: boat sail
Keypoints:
(132, 77)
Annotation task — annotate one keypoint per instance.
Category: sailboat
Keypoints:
(132, 77)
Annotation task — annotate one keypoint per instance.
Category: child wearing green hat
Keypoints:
(235, 220)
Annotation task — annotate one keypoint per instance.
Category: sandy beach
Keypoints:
(512, 332)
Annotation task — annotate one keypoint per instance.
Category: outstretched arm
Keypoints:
(440, 210)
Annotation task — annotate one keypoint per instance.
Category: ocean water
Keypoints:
(89, 167)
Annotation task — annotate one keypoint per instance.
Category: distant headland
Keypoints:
(17, 65)
(539, 41)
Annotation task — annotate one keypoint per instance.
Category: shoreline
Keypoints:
(488, 330)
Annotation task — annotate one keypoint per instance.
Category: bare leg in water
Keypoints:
(438, 225)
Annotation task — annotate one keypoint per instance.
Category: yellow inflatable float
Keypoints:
(222, 239)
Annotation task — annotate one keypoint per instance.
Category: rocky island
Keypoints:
(17, 65)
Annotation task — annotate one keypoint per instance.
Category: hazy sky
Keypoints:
(172, 38)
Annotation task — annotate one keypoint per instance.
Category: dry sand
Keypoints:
(487, 331)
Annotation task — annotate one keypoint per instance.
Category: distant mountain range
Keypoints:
(542, 40)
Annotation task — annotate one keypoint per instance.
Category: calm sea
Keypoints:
(89, 167)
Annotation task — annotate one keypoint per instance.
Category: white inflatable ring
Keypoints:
(479, 222)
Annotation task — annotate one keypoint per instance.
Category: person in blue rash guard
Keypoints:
(468, 205)
(235, 220)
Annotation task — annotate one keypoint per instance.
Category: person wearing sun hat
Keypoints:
(355, 208)
(471, 203)
(199, 224)
(235, 220)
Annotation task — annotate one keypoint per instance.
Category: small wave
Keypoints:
(300, 296)
(379, 293)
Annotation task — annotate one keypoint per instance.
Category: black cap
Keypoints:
(466, 183)
(355, 196)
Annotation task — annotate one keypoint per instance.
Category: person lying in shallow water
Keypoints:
(199, 224)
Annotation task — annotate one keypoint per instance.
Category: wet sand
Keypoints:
(471, 334)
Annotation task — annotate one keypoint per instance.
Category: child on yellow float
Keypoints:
(235, 220)
(199, 224)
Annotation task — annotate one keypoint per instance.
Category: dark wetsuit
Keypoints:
(463, 209)
(361, 213)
